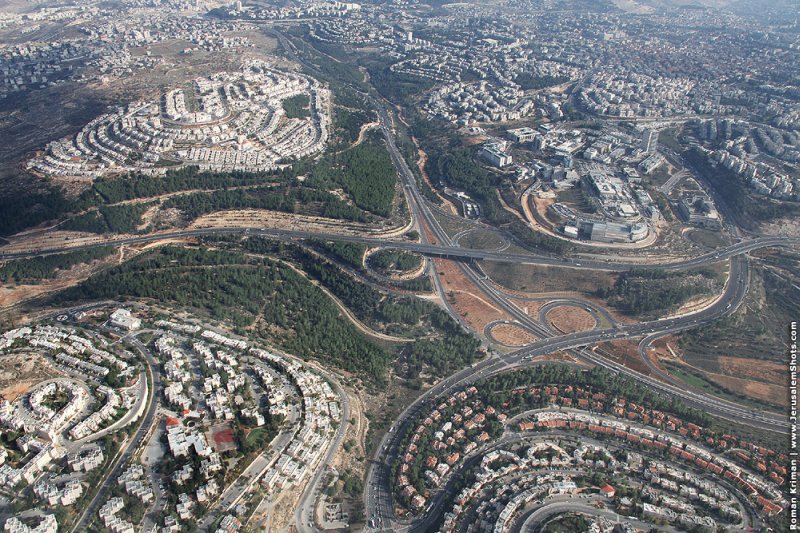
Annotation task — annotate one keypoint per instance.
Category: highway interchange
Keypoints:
(378, 497)
(437, 244)
(378, 502)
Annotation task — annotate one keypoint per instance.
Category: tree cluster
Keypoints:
(122, 218)
(230, 286)
(297, 106)
(46, 267)
(528, 81)
(113, 190)
(646, 291)
(365, 172)
(348, 253)
(736, 194)
(388, 260)
(497, 390)
(441, 343)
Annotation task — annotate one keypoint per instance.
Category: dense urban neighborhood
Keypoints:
(403, 266)
(176, 446)
(240, 130)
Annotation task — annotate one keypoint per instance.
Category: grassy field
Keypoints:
(451, 224)
(482, 240)
(700, 382)
(533, 278)
(758, 329)
(658, 177)
(708, 238)
(668, 138)
(255, 436)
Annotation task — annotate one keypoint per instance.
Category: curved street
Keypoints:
(378, 487)
(437, 244)
(130, 446)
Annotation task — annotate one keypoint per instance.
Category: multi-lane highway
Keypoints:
(444, 251)
(378, 501)
(437, 244)
(378, 497)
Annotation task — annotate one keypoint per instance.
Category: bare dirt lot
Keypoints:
(510, 335)
(760, 380)
(539, 205)
(569, 319)
(783, 226)
(665, 348)
(625, 352)
(775, 394)
(20, 371)
(530, 308)
(472, 305)
(33, 239)
(766, 371)
(13, 295)
(256, 218)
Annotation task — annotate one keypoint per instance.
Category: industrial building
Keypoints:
(608, 231)
(522, 135)
(495, 155)
(700, 211)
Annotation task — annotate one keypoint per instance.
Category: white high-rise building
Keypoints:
(649, 140)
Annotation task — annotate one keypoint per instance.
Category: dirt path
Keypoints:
(508, 208)
(363, 328)
(260, 218)
(363, 130)
(167, 195)
(421, 161)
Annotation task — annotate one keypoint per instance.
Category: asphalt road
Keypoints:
(131, 445)
(421, 214)
(445, 251)
(378, 481)
(568, 504)
(304, 514)
(378, 497)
